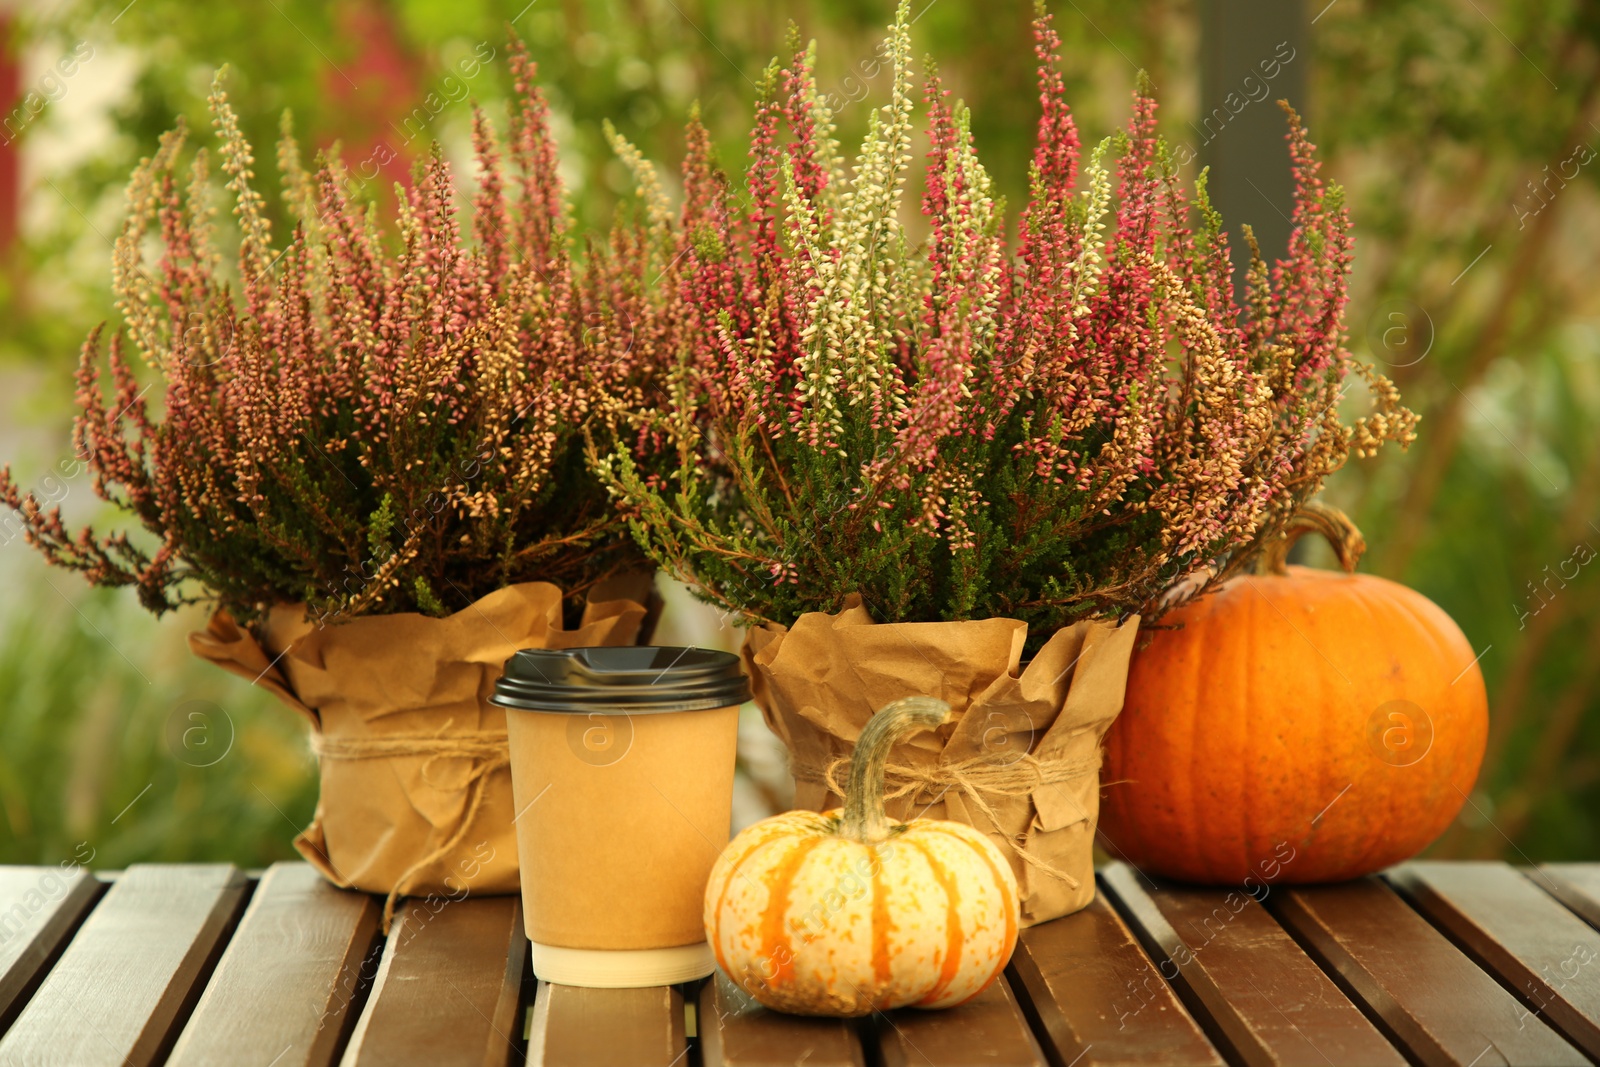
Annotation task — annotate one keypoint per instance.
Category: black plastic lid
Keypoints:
(636, 680)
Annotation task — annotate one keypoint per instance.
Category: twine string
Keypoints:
(486, 748)
(976, 779)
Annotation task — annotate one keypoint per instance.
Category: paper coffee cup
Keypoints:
(622, 778)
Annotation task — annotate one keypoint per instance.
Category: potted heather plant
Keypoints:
(914, 462)
(369, 461)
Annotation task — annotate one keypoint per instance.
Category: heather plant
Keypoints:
(365, 423)
(965, 425)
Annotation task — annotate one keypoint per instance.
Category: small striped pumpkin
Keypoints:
(845, 913)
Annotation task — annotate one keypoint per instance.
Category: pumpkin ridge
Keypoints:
(1258, 650)
(1255, 799)
(1005, 899)
(952, 954)
(881, 924)
(1360, 855)
(1342, 692)
(774, 935)
(1189, 811)
(1449, 647)
(731, 870)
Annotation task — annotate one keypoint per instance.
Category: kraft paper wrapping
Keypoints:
(1033, 733)
(415, 787)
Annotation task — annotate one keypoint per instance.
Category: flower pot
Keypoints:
(415, 788)
(1019, 762)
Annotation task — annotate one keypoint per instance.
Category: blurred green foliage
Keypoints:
(1467, 138)
(114, 740)
(1472, 288)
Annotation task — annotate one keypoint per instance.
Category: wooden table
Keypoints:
(1448, 963)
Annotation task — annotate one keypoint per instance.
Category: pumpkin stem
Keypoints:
(864, 817)
(1325, 519)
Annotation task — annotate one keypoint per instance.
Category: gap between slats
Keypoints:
(1440, 1021)
(1338, 978)
(96, 888)
(1147, 943)
(202, 977)
(103, 881)
(1213, 1028)
(1163, 917)
(1068, 975)
(1412, 884)
(723, 1027)
(1575, 885)
(468, 954)
(152, 1035)
(293, 976)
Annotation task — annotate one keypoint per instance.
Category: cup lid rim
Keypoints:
(637, 679)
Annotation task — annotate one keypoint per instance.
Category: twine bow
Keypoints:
(486, 748)
(973, 778)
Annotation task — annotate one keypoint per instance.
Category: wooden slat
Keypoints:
(286, 981)
(1507, 924)
(989, 1029)
(1086, 983)
(575, 1027)
(39, 909)
(1429, 997)
(448, 988)
(1262, 997)
(736, 1031)
(1577, 885)
(133, 971)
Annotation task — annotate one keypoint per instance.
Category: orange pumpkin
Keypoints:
(845, 913)
(1297, 725)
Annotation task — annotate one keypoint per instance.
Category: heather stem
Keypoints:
(864, 817)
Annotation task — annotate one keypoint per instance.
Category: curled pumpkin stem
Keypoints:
(1325, 519)
(864, 817)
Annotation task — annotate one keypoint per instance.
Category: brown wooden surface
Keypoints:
(736, 1031)
(448, 988)
(575, 1027)
(1265, 1001)
(1430, 997)
(1577, 885)
(40, 907)
(989, 1029)
(1098, 998)
(1508, 925)
(286, 982)
(1468, 963)
(133, 971)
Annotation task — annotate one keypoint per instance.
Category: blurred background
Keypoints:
(1461, 129)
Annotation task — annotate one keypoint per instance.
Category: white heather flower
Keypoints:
(658, 211)
(867, 228)
(1096, 202)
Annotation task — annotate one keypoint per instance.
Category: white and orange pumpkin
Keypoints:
(845, 913)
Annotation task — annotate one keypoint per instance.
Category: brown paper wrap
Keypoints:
(415, 793)
(1020, 762)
